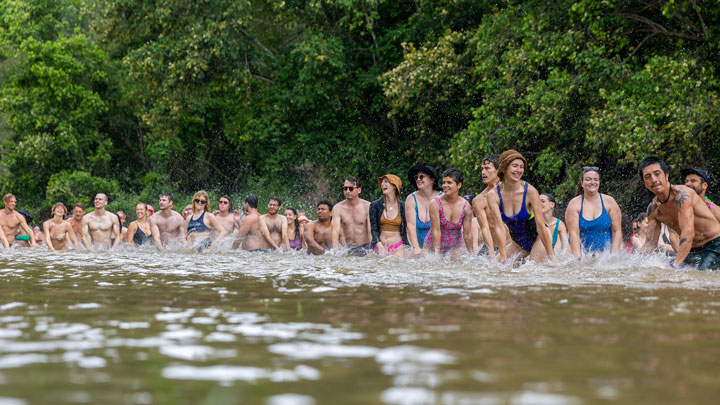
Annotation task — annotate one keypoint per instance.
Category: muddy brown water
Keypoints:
(141, 327)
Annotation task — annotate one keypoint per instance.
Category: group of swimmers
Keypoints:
(509, 220)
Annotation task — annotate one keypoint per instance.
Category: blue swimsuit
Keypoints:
(197, 225)
(422, 228)
(523, 229)
(595, 235)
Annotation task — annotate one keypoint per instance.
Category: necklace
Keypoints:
(668, 197)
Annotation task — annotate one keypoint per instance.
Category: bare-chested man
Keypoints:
(351, 217)
(57, 230)
(249, 235)
(273, 227)
(166, 225)
(11, 221)
(491, 179)
(699, 180)
(318, 234)
(681, 209)
(230, 219)
(78, 212)
(100, 226)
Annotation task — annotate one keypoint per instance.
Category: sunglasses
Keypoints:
(223, 202)
(421, 177)
(197, 201)
(591, 169)
(348, 188)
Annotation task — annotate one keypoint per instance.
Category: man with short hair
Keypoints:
(318, 234)
(351, 217)
(11, 221)
(682, 210)
(100, 226)
(699, 180)
(273, 226)
(166, 225)
(78, 212)
(249, 235)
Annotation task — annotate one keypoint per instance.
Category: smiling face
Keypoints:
(546, 204)
(10, 203)
(387, 188)
(140, 210)
(101, 201)
(423, 180)
(489, 172)
(590, 181)
(290, 216)
(78, 213)
(273, 207)
(696, 183)
(59, 210)
(655, 179)
(323, 212)
(515, 170)
(449, 186)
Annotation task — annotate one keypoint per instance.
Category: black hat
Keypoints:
(26, 214)
(694, 170)
(426, 169)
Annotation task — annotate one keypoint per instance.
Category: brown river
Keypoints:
(229, 327)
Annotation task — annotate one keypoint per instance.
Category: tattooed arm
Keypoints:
(686, 219)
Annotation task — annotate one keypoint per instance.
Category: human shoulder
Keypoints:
(574, 204)
(684, 195)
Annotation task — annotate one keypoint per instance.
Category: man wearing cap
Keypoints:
(387, 218)
(58, 231)
(350, 217)
(417, 208)
(11, 221)
(100, 226)
(699, 180)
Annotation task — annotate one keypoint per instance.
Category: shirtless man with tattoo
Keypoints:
(11, 221)
(166, 225)
(57, 230)
(249, 235)
(699, 180)
(682, 210)
(351, 218)
(100, 226)
(273, 227)
(318, 234)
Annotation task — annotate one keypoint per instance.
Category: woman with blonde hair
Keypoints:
(139, 231)
(201, 223)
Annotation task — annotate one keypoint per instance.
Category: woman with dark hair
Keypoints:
(201, 223)
(555, 226)
(230, 219)
(638, 239)
(294, 230)
(449, 219)
(593, 219)
(417, 212)
(388, 226)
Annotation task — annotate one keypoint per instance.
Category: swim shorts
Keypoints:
(360, 251)
(705, 257)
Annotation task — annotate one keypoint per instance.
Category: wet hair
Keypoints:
(641, 217)
(230, 208)
(119, 220)
(202, 193)
(252, 200)
(279, 201)
(494, 159)
(167, 195)
(325, 202)
(297, 221)
(454, 174)
(550, 197)
(8, 197)
(79, 205)
(586, 169)
(354, 180)
(651, 161)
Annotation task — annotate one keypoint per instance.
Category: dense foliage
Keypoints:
(289, 97)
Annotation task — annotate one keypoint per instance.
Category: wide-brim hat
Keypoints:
(393, 179)
(425, 169)
(26, 214)
(694, 170)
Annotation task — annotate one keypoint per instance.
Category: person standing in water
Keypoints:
(593, 219)
(350, 218)
(387, 218)
(57, 230)
(490, 178)
(139, 232)
(318, 234)
(450, 220)
(699, 180)
(100, 227)
(417, 212)
(294, 230)
(201, 223)
(682, 210)
(273, 227)
(230, 219)
(515, 202)
(166, 225)
(249, 235)
(11, 221)
(78, 212)
(555, 226)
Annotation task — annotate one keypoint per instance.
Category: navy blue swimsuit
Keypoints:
(198, 225)
(523, 229)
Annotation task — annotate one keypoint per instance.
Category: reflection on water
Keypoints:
(229, 327)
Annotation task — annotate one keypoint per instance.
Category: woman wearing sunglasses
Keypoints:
(593, 219)
(201, 223)
(417, 205)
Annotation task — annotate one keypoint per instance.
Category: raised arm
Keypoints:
(572, 221)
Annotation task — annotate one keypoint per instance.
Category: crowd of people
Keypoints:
(510, 220)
